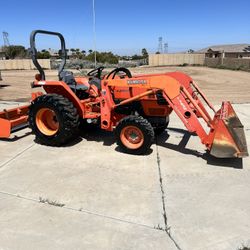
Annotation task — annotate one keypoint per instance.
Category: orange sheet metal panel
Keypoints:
(5, 128)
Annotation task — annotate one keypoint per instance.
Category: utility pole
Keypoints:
(94, 30)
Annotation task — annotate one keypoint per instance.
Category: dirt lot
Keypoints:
(216, 83)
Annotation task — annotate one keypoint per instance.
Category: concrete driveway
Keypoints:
(88, 195)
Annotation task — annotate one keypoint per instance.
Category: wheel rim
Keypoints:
(132, 137)
(47, 122)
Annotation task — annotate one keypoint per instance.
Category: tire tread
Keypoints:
(68, 115)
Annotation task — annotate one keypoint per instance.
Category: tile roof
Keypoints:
(228, 48)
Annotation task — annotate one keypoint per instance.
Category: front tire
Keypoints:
(134, 135)
(53, 119)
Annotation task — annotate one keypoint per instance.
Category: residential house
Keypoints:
(227, 51)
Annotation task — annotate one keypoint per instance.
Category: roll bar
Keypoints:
(33, 50)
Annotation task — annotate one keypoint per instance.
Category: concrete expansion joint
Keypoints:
(59, 205)
(165, 218)
(17, 155)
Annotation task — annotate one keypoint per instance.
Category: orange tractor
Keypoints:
(135, 107)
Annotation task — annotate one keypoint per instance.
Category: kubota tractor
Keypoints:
(135, 107)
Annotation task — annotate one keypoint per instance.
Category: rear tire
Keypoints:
(53, 119)
(134, 135)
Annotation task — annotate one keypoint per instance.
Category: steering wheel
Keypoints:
(116, 70)
(96, 72)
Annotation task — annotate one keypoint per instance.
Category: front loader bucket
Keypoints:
(229, 139)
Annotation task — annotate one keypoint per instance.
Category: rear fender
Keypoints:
(61, 88)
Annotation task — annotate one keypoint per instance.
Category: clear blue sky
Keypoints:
(125, 27)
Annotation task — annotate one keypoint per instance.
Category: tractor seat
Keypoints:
(68, 78)
(79, 87)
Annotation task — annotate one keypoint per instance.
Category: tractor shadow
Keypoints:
(98, 135)
(95, 135)
(4, 86)
(161, 140)
(16, 137)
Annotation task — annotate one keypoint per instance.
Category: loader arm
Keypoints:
(225, 138)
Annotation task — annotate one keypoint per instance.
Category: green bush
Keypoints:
(15, 51)
(102, 57)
